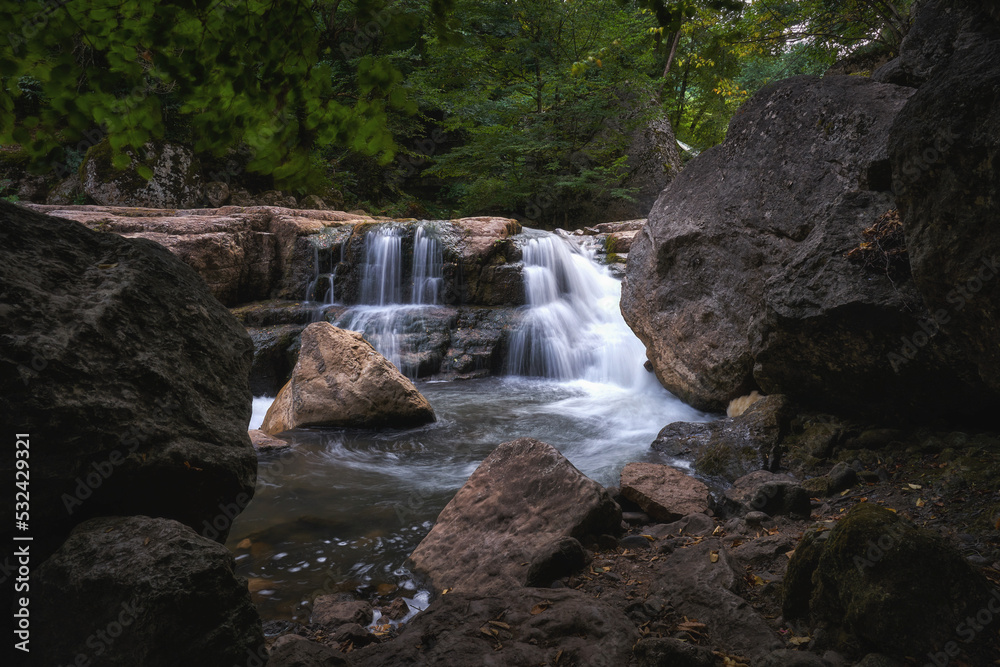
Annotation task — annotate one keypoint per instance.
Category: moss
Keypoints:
(797, 587)
(893, 585)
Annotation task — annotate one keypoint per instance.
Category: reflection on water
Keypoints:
(342, 509)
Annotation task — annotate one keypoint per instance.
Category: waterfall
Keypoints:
(382, 283)
(428, 269)
(382, 315)
(573, 328)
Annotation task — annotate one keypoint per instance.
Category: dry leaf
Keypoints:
(649, 537)
(446, 591)
(486, 631)
(145, 542)
(714, 556)
(844, 492)
(798, 641)
(891, 509)
(500, 624)
(915, 486)
(540, 607)
(790, 553)
(920, 502)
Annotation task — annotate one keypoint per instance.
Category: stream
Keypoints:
(341, 510)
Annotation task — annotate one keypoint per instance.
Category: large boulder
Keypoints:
(522, 497)
(174, 180)
(341, 380)
(125, 591)
(945, 147)
(663, 492)
(527, 626)
(130, 378)
(895, 587)
(741, 277)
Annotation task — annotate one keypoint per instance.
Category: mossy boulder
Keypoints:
(174, 177)
(894, 586)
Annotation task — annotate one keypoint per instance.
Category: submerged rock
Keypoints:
(341, 380)
(130, 377)
(521, 498)
(126, 591)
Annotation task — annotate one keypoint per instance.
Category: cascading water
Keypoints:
(383, 315)
(342, 509)
(573, 329)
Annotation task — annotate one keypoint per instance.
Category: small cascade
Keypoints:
(382, 284)
(573, 328)
(428, 269)
(321, 290)
(383, 315)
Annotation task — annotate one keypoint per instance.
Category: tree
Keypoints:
(260, 73)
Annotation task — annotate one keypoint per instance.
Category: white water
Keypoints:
(342, 509)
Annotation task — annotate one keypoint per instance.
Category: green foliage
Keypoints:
(268, 75)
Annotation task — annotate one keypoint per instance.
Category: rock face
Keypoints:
(175, 183)
(125, 591)
(731, 448)
(521, 498)
(340, 380)
(537, 626)
(129, 376)
(898, 588)
(663, 492)
(944, 147)
(740, 279)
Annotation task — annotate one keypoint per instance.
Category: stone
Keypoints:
(692, 524)
(341, 380)
(887, 582)
(740, 279)
(840, 478)
(731, 448)
(522, 497)
(66, 191)
(123, 591)
(540, 624)
(943, 146)
(117, 358)
(663, 492)
(264, 442)
(700, 582)
(314, 202)
(175, 183)
(770, 493)
(332, 612)
(217, 193)
(658, 651)
(296, 651)
(786, 657)
(397, 610)
(275, 353)
(560, 558)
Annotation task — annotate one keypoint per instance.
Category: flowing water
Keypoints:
(342, 509)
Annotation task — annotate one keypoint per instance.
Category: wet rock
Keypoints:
(522, 497)
(774, 303)
(397, 610)
(731, 448)
(66, 191)
(355, 633)
(658, 651)
(263, 442)
(340, 380)
(296, 651)
(692, 524)
(943, 147)
(891, 584)
(275, 351)
(331, 611)
(175, 182)
(116, 357)
(663, 492)
(635, 542)
(526, 626)
(560, 558)
(122, 591)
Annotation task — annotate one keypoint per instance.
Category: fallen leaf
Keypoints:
(798, 641)
(540, 607)
(844, 492)
(649, 537)
(714, 556)
(145, 542)
(920, 502)
(446, 591)
(790, 553)
(757, 580)
(500, 624)
(891, 509)
(486, 631)
(915, 486)
(718, 529)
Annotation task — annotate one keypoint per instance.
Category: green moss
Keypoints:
(893, 585)
(797, 587)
